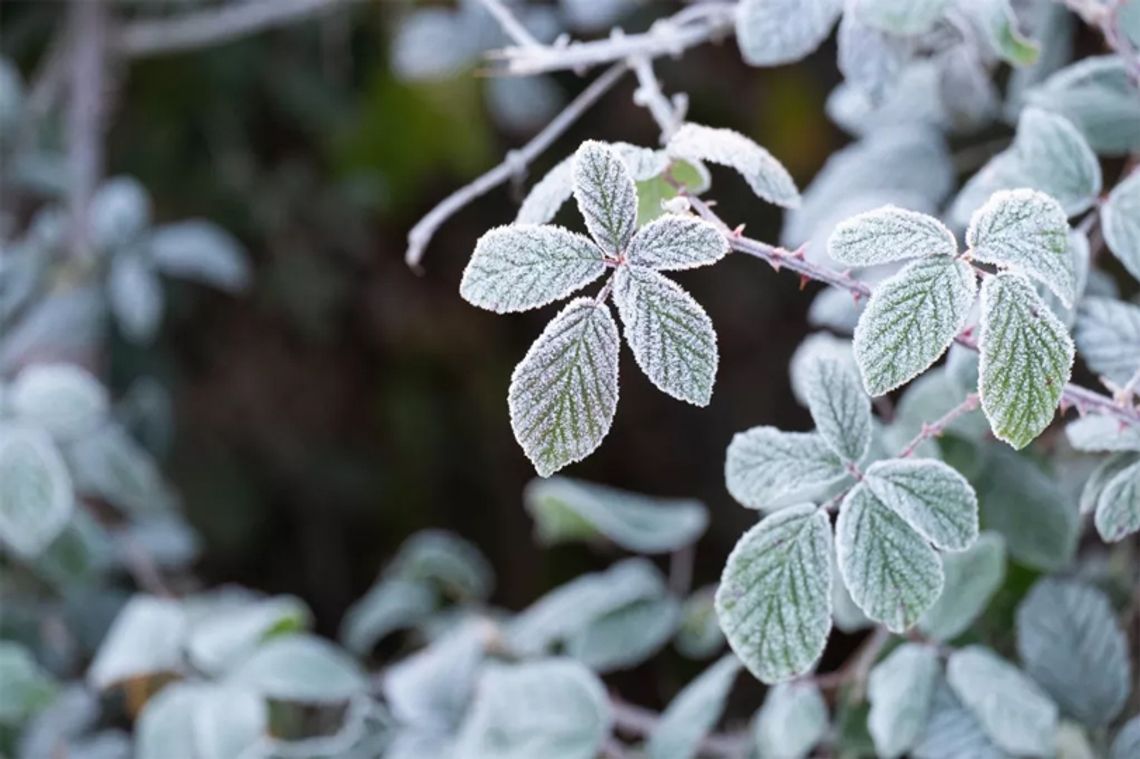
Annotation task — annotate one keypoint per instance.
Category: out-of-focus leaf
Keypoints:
(693, 712)
(145, 639)
(300, 668)
(36, 501)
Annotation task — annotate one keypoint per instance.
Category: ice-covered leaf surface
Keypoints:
(869, 59)
(564, 392)
(671, 336)
(772, 32)
(626, 636)
(892, 573)
(1102, 433)
(767, 468)
(386, 607)
(64, 399)
(765, 175)
(889, 234)
(1026, 358)
(792, 721)
(952, 732)
(1096, 95)
(1108, 337)
(431, 688)
(606, 195)
(901, 17)
(1120, 220)
(1069, 642)
(840, 408)
(301, 668)
(900, 689)
(693, 712)
(911, 319)
(218, 640)
(1025, 231)
(213, 721)
(520, 267)
(1118, 507)
(145, 639)
(36, 499)
(972, 578)
(548, 194)
(677, 242)
(774, 599)
(931, 497)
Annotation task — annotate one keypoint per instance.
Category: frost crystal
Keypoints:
(889, 234)
(931, 497)
(677, 242)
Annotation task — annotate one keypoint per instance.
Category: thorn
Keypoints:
(739, 231)
(800, 251)
(804, 281)
(856, 296)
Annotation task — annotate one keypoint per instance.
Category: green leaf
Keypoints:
(774, 599)
(911, 319)
(996, 21)
(840, 408)
(972, 578)
(36, 501)
(765, 175)
(699, 635)
(1120, 220)
(211, 721)
(1027, 232)
(893, 575)
(554, 708)
(564, 392)
(218, 641)
(774, 32)
(567, 509)
(606, 195)
(146, 638)
(952, 732)
(1118, 508)
(675, 242)
(1026, 358)
(1097, 95)
(109, 464)
(935, 500)
(388, 606)
(671, 336)
(64, 399)
(889, 234)
(1108, 337)
(792, 721)
(900, 689)
(901, 17)
(519, 267)
(627, 636)
(430, 690)
(27, 687)
(693, 712)
(652, 193)
(301, 668)
(766, 468)
(1069, 642)
(1102, 433)
(1011, 709)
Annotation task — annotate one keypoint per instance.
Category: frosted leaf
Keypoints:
(816, 347)
(627, 636)
(1101, 476)
(36, 500)
(792, 721)
(839, 407)
(900, 689)
(773, 32)
(671, 336)
(677, 242)
(836, 310)
(564, 392)
(565, 509)
(893, 575)
(767, 468)
(642, 163)
(118, 213)
(445, 560)
(889, 234)
(221, 639)
(952, 732)
(911, 319)
(996, 24)
(1118, 508)
(661, 194)
(902, 17)
(1108, 337)
(1120, 220)
(136, 296)
(931, 497)
(1098, 432)
(520, 267)
(1069, 642)
(774, 598)
(869, 59)
(699, 635)
(553, 708)
(606, 195)
(28, 688)
(845, 614)
(64, 399)
(1026, 358)
(1127, 742)
(201, 251)
(145, 639)
(693, 712)
(1025, 231)
(301, 668)
(213, 721)
(388, 606)
(110, 464)
(765, 175)
(548, 194)
(972, 578)
(1011, 709)
(1094, 93)
(430, 689)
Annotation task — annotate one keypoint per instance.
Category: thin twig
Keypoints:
(669, 115)
(858, 667)
(510, 24)
(515, 162)
(933, 429)
(681, 570)
(86, 110)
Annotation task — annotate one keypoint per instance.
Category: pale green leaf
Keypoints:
(900, 689)
(652, 193)
(693, 712)
(838, 405)
(64, 399)
(627, 636)
(901, 17)
(389, 605)
(952, 732)
(36, 500)
(889, 234)
(767, 468)
(1102, 433)
(911, 319)
(774, 599)
(1118, 507)
(301, 668)
(1120, 220)
(1096, 94)
(792, 721)
(1101, 476)
(935, 500)
(606, 195)
(548, 194)
(219, 640)
(520, 267)
(109, 464)
(773, 32)
(1108, 337)
(698, 634)
(972, 578)
(27, 688)
(677, 242)
(564, 392)
(671, 336)
(1069, 642)
(430, 689)
(1126, 745)
(205, 720)
(120, 210)
(996, 22)
(765, 175)
(1026, 358)
(200, 251)
(869, 59)
(444, 560)
(146, 638)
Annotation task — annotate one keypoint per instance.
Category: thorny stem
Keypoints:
(934, 429)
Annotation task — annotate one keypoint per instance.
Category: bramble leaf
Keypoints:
(1097, 95)
(1108, 337)
(765, 175)
(1101, 433)
(301, 668)
(626, 636)
(952, 732)
(36, 500)
(840, 408)
(674, 242)
(767, 468)
(792, 721)
(889, 234)
(606, 195)
(772, 32)
(1120, 220)
(548, 194)
(146, 638)
(1118, 507)
(64, 399)
(900, 689)
(931, 497)
(901, 17)
(693, 712)
(972, 578)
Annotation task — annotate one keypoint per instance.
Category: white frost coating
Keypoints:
(1069, 642)
(900, 689)
(1101, 476)
(902, 17)
(1025, 231)
(1097, 95)
(564, 392)
(627, 636)
(520, 267)
(64, 399)
(674, 242)
(772, 32)
(972, 577)
(606, 195)
(767, 468)
(1120, 220)
(840, 408)
(1108, 337)
(774, 598)
(792, 721)
(765, 175)
(911, 319)
(145, 639)
(1026, 359)
(643, 163)
(1101, 433)
(301, 668)
(1118, 508)
(934, 499)
(430, 689)
(36, 500)
(892, 573)
(693, 712)
(952, 732)
(1011, 709)
(814, 347)
(889, 234)
(869, 60)
(671, 336)
(548, 194)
